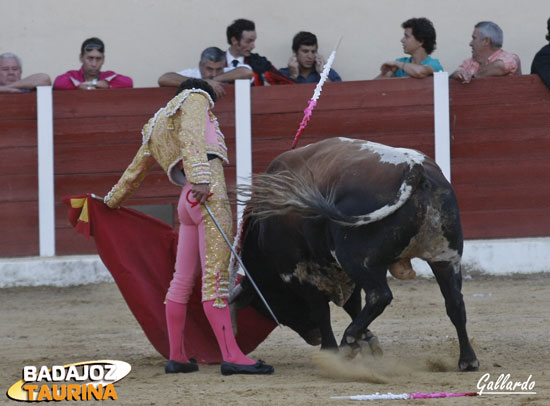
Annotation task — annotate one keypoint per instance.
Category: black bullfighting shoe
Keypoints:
(173, 367)
(259, 368)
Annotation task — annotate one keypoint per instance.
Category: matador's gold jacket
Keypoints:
(185, 131)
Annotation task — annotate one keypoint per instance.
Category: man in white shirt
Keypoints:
(212, 69)
(241, 37)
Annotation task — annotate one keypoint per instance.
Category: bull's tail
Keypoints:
(286, 192)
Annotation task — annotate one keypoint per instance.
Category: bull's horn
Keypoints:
(234, 306)
(235, 293)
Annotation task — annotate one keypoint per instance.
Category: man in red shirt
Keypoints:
(89, 77)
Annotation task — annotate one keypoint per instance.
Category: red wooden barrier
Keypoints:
(500, 154)
(500, 146)
(18, 180)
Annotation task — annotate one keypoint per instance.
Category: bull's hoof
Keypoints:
(372, 345)
(468, 365)
(349, 351)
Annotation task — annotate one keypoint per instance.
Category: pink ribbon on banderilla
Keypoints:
(404, 396)
(436, 395)
(307, 114)
(313, 101)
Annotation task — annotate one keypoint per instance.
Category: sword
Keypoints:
(218, 226)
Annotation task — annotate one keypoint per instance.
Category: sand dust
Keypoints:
(508, 322)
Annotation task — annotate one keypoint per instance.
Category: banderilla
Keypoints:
(218, 226)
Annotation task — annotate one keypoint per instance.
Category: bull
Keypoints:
(330, 219)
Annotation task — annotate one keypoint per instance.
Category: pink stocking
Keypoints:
(220, 321)
(175, 318)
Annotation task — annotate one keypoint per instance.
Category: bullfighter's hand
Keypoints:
(200, 192)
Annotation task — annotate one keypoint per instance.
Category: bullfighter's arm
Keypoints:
(131, 178)
(192, 132)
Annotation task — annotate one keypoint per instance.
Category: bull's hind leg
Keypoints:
(368, 341)
(449, 277)
(377, 296)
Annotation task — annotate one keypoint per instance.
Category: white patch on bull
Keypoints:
(404, 193)
(394, 156)
(346, 139)
(287, 277)
(387, 154)
(430, 243)
(372, 297)
(333, 253)
(329, 279)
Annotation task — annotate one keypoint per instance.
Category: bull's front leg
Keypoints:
(353, 305)
(449, 278)
(328, 341)
(320, 310)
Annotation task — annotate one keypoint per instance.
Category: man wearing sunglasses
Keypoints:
(90, 77)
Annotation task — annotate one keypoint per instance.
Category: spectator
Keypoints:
(488, 57)
(419, 42)
(89, 77)
(212, 69)
(305, 64)
(241, 37)
(541, 62)
(10, 76)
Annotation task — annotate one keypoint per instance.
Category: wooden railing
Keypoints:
(500, 147)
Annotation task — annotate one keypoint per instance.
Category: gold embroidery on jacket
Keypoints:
(186, 114)
(215, 282)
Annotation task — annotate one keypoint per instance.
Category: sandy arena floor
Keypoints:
(508, 322)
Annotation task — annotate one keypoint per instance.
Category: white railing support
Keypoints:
(243, 137)
(441, 123)
(46, 199)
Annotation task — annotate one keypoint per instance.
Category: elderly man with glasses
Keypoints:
(89, 77)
